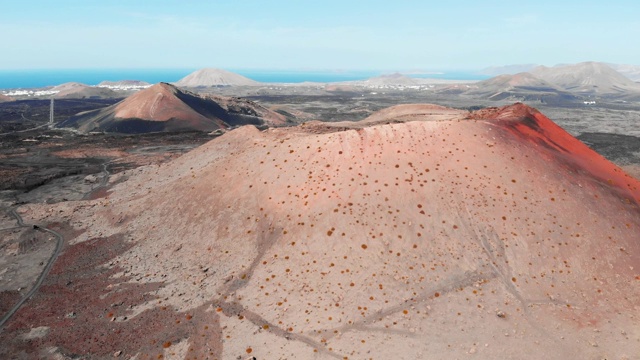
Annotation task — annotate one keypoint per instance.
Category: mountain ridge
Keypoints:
(586, 78)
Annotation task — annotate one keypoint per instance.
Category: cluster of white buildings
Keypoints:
(125, 87)
(30, 92)
(399, 87)
(49, 92)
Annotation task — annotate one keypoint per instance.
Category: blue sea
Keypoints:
(26, 79)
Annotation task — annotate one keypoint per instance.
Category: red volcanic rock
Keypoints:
(494, 233)
(531, 126)
(158, 103)
(164, 107)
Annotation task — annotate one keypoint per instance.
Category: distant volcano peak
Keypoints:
(165, 107)
(214, 77)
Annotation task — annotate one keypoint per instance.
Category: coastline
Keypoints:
(42, 78)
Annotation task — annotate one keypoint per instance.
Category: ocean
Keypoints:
(29, 79)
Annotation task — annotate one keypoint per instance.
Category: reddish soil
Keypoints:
(497, 235)
(531, 126)
(163, 107)
(7, 300)
(158, 103)
(84, 308)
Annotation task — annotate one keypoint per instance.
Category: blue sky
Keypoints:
(381, 35)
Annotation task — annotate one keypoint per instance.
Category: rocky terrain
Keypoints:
(422, 232)
(514, 216)
(164, 107)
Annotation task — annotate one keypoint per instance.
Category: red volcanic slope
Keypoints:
(532, 126)
(163, 107)
(490, 235)
(159, 103)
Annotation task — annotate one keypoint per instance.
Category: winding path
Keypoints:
(43, 274)
(25, 130)
(52, 259)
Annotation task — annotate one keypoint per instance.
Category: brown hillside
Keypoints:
(157, 103)
(164, 107)
(497, 236)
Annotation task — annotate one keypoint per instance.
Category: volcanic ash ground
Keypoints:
(442, 235)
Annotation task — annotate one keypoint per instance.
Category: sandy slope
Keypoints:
(494, 234)
(164, 107)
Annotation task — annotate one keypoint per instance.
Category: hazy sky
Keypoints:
(327, 34)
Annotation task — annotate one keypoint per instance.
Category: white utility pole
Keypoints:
(51, 114)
